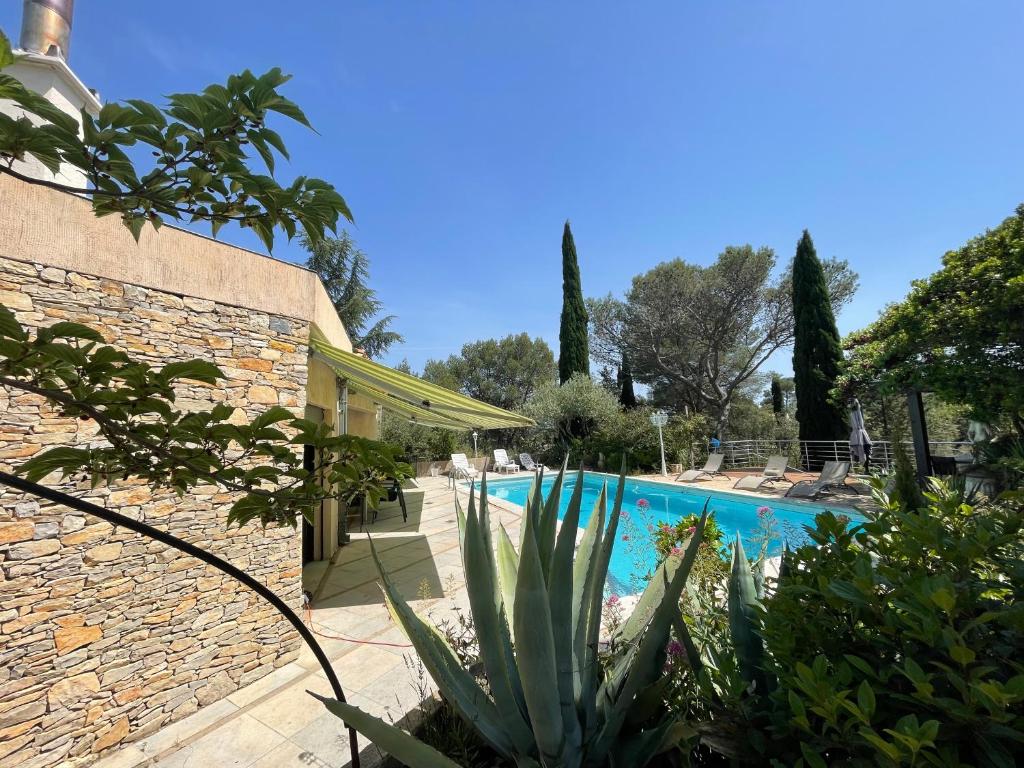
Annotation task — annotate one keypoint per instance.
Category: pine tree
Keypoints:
(627, 397)
(816, 351)
(574, 349)
(778, 401)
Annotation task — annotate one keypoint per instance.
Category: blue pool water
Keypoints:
(647, 503)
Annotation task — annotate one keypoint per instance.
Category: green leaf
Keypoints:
(866, 699)
(812, 758)
(199, 370)
(6, 54)
(406, 748)
(10, 327)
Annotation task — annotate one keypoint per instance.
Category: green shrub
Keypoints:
(901, 642)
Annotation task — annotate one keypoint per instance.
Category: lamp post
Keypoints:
(474, 443)
(660, 419)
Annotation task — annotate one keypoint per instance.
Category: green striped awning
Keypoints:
(418, 400)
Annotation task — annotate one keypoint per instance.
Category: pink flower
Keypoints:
(642, 503)
(676, 550)
(763, 512)
(691, 529)
(625, 537)
(665, 527)
(675, 649)
(624, 515)
(613, 599)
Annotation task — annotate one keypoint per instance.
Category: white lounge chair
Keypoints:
(774, 471)
(529, 464)
(502, 463)
(833, 475)
(709, 470)
(462, 468)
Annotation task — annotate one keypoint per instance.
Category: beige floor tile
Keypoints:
(183, 730)
(292, 709)
(279, 678)
(237, 744)
(291, 755)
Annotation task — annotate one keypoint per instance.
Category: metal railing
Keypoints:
(806, 454)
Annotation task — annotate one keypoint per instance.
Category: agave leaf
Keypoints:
(647, 664)
(535, 651)
(595, 596)
(548, 521)
(582, 573)
(648, 704)
(683, 633)
(456, 684)
(743, 617)
(460, 516)
(508, 565)
(560, 598)
(396, 742)
(532, 510)
(491, 630)
(640, 748)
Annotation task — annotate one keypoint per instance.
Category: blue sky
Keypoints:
(464, 134)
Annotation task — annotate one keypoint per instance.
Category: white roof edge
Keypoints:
(57, 63)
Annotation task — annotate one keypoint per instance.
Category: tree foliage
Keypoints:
(503, 372)
(198, 163)
(777, 398)
(574, 348)
(959, 333)
(627, 397)
(817, 355)
(142, 435)
(699, 334)
(345, 272)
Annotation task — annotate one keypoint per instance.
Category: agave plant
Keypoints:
(549, 699)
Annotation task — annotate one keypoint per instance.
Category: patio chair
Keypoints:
(462, 468)
(833, 475)
(502, 463)
(529, 464)
(773, 471)
(710, 469)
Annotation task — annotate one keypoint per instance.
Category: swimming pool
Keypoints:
(646, 503)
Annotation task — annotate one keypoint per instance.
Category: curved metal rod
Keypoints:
(163, 537)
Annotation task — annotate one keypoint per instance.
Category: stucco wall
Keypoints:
(44, 226)
(105, 636)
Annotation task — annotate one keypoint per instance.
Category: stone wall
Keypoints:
(104, 635)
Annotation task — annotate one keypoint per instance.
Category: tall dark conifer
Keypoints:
(778, 401)
(816, 351)
(574, 347)
(627, 397)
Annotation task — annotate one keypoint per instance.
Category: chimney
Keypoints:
(46, 26)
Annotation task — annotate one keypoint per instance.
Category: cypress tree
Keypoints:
(627, 397)
(816, 351)
(574, 347)
(778, 402)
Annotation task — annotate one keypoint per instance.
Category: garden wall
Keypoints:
(105, 636)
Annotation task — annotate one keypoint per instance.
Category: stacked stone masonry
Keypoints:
(106, 636)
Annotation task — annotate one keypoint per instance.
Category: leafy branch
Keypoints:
(143, 436)
(200, 146)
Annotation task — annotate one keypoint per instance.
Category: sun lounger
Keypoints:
(502, 463)
(833, 475)
(774, 471)
(529, 464)
(462, 468)
(709, 470)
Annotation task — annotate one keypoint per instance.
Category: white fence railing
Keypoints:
(806, 454)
